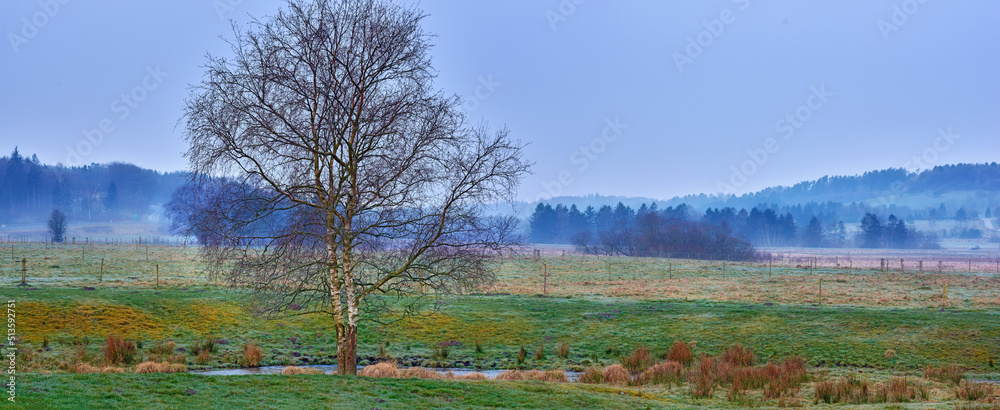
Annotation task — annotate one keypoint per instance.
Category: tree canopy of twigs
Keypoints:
(330, 176)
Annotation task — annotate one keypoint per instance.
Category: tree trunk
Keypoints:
(347, 350)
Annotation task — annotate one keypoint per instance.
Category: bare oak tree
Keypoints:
(342, 180)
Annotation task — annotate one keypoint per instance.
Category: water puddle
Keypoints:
(332, 368)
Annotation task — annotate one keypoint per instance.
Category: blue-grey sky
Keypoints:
(640, 98)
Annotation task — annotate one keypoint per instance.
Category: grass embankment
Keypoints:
(51, 391)
(597, 330)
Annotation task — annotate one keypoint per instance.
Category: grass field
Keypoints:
(878, 324)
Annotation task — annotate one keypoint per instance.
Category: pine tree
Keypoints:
(814, 233)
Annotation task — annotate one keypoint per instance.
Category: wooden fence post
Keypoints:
(545, 275)
(101, 278)
(821, 290)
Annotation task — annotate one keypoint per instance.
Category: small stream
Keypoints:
(332, 368)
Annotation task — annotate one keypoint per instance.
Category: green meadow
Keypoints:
(871, 324)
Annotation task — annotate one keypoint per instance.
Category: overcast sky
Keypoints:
(639, 98)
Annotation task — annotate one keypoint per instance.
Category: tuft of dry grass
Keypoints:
(164, 367)
(562, 351)
(616, 374)
(472, 376)
(163, 348)
(540, 353)
(945, 374)
(853, 390)
(897, 390)
(555, 376)
(381, 370)
(591, 375)
(203, 357)
(783, 378)
(84, 368)
(738, 356)
(639, 360)
(973, 391)
(419, 373)
(521, 355)
(117, 350)
(703, 379)
(511, 375)
(667, 373)
(680, 352)
(112, 369)
(294, 370)
(252, 355)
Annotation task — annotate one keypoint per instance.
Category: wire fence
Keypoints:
(859, 260)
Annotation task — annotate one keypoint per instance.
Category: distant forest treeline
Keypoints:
(884, 192)
(30, 190)
(650, 231)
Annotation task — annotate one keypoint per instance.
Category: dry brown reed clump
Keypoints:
(737, 356)
(112, 369)
(974, 391)
(555, 376)
(419, 373)
(591, 375)
(252, 355)
(616, 374)
(639, 360)
(472, 376)
(294, 370)
(853, 390)
(119, 351)
(163, 348)
(703, 379)
(680, 352)
(164, 367)
(203, 357)
(669, 372)
(562, 351)
(945, 374)
(735, 366)
(86, 368)
(380, 370)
